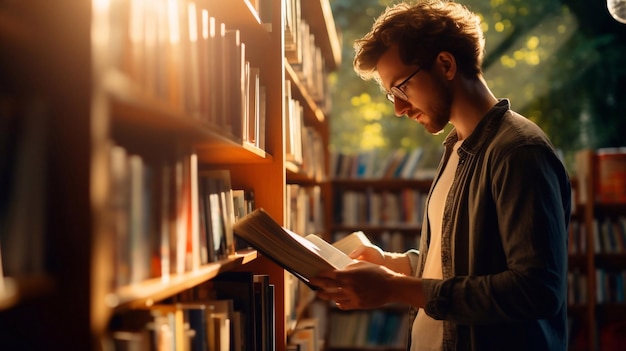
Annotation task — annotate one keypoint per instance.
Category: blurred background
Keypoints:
(562, 63)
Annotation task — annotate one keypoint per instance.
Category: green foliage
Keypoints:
(561, 62)
(362, 118)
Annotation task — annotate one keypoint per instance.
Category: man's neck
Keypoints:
(472, 100)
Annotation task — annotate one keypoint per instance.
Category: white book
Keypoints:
(304, 257)
(351, 241)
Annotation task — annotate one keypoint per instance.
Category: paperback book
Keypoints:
(303, 256)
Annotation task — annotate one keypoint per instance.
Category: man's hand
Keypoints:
(397, 262)
(361, 285)
(373, 254)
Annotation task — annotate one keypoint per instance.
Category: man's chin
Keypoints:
(433, 130)
(434, 126)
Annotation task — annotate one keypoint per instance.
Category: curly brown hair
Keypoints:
(422, 31)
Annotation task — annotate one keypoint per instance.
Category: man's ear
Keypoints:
(446, 64)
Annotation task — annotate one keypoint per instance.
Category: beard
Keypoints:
(440, 107)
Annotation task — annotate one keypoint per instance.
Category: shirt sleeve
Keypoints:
(413, 256)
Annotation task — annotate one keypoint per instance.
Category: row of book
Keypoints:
(170, 218)
(371, 164)
(369, 328)
(611, 168)
(609, 235)
(606, 167)
(374, 207)
(304, 146)
(304, 55)
(307, 336)
(299, 298)
(294, 124)
(174, 218)
(577, 285)
(232, 312)
(305, 209)
(177, 52)
(610, 286)
(577, 238)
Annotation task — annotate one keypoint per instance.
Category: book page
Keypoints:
(350, 242)
(290, 250)
(328, 251)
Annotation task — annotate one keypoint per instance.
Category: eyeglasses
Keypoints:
(397, 91)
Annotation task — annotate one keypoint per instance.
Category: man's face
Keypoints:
(428, 99)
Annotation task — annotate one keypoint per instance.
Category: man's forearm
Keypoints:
(398, 262)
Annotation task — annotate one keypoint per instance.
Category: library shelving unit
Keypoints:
(379, 207)
(82, 80)
(599, 225)
(577, 266)
(306, 171)
(390, 212)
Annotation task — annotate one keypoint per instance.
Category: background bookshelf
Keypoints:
(381, 329)
(113, 113)
(390, 212)
(597, 301)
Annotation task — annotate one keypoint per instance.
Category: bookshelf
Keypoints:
(82, 79)
(390, 212)
(599, 318)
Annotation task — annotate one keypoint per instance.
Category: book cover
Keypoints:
(196, 315)
(119, 203)
(239, 287)
(190, 34)
(179, 330)
(140, 176)
(220, 213)
(262, 117)
(305, 257)
(306, 334)
(262, 312)
(234, 68)
(228, 332)
(164, 218)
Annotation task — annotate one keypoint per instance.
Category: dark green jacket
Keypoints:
(504, 240)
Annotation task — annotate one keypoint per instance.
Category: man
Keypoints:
(492, 267)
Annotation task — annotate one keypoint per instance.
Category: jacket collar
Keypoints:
(488, 125)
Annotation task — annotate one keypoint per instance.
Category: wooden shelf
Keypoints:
(8, 293)
(295, 176)
(313, 114)
(93, 89)
(318, 15)
(615, 209)
(133, 111)
(16, 290)
(611, 312)
(577, 309)
(611, 260)
(587, 211)
(145, 294)
(577, 261)
(238, 14)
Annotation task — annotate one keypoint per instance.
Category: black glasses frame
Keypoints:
(397, 91)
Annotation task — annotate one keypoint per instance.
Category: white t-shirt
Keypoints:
(427, 333)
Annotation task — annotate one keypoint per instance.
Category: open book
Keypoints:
(303, 256)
